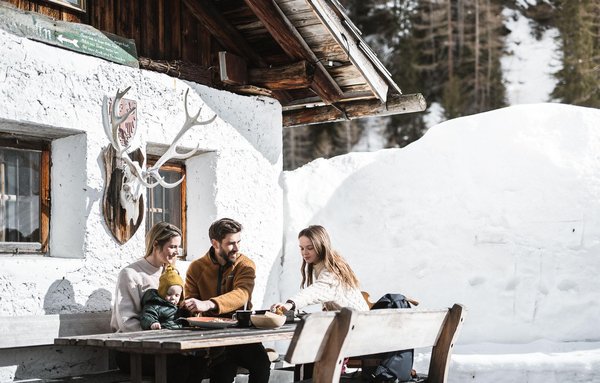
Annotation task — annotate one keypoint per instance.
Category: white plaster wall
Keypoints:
(201, 177)
(69, 192)
(43, 88)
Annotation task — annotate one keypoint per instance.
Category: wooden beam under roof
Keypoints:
(395, 104)
(298, 75)
(234, 72)
(223, 31)
(229, 37)
(233, 69)
(290, 40)
(354, 47)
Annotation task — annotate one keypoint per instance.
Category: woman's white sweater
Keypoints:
(132, 283)
(328, 290)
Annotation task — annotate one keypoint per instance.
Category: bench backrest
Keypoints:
(40, 330)
(310, 338)
(354, 333)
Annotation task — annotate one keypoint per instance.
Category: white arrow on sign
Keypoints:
(65, 40)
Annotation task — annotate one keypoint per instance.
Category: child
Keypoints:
(160, 308)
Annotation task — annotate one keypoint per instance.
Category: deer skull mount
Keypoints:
(126, 173)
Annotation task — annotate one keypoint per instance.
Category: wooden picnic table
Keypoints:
(160, 343)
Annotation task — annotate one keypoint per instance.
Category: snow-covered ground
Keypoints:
(498, 211)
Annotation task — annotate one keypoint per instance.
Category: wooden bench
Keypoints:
(33, 331)
(41, 330)
(326, 338)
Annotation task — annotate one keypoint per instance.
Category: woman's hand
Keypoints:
(284, 306)
(155, 326)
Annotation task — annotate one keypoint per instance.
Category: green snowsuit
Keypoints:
(156, 309)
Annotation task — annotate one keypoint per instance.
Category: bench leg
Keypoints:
(135, 361)
(303, 371)
(160, 368)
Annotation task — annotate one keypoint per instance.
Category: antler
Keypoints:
(111, 124)
(111, 128)
(172, 153)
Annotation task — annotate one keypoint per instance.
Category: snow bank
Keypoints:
(498, 211)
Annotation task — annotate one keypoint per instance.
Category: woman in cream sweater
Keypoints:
(163, 245)
(326, 276)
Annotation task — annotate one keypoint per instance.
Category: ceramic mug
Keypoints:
(243, 317)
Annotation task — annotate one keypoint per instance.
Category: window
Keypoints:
(24, 196)
(167, 204)
(74, 4)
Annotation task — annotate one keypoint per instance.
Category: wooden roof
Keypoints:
(335, 74)
(305, 53)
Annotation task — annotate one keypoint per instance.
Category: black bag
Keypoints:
(396, 365)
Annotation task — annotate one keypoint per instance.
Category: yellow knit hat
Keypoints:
(168, 278)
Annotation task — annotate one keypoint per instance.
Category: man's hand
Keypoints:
(197, 306)
(155, 326)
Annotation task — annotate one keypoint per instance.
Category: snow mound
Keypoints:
(498, 211)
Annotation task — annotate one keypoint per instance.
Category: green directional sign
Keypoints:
(76, 37)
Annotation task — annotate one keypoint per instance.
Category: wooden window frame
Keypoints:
(41, 247)
(179, 168)
(81, 7)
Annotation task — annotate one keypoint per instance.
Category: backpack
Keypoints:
(396, 365)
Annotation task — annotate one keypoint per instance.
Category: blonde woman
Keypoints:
(326, 277)
(163, 245)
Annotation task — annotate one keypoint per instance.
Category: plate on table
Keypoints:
(211, 322)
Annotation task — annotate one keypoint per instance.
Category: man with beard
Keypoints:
(218, 284)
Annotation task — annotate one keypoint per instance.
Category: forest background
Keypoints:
(451, 52)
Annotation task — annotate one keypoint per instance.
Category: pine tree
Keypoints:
(579, 25)
(460, 46)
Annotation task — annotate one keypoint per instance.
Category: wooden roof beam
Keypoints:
(298, 75)
(233, 70)
(222, 30)
(229, 37)
(292, 43)
(355, 48)
(396, 104)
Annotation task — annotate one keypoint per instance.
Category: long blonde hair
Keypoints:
(160, 234)
(332, 260)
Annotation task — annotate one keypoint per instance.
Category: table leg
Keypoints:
(160, 368)
(135, 362)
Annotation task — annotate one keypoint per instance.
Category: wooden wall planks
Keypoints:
(162, 29)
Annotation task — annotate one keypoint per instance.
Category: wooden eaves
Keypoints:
(351, 110)
(306, 35)
(284, 34)
(306, 54)
(290, 40)
(230, 38)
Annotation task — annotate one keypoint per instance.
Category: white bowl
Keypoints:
(268, 320)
